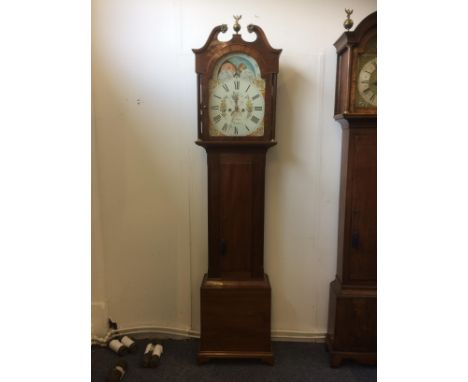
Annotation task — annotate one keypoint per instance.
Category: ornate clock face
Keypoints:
(236, 107)
(236, 98)
(367, 82)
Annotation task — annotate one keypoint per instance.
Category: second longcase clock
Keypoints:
(236, 125)
(352, 322)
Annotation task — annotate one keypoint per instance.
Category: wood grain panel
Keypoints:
(236, 189)
(236, 214)
(363, 253)
(236, 316)
(356, 324)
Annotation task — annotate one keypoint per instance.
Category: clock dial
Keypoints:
(236, 107)
(367, 82)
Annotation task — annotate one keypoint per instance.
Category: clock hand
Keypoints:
(235, 97)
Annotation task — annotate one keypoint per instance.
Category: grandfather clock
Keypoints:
(352, 325)
(236, 91)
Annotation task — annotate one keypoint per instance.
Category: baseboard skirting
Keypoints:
(298, 336)
(166, 332)
(99, 314)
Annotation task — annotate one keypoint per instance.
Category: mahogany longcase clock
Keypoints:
(352, 325)
(236, 126)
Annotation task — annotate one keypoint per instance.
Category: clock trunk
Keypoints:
(236, 188)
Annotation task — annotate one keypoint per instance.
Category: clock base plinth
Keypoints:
(235, 319)
(352, 325)
(337, 357)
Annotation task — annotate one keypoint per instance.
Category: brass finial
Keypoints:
(237, 26)
(348, 23)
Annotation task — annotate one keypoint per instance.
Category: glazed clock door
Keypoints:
(367, 83)
(365, 77)
(236, 97)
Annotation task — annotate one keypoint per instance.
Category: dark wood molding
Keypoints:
(212, 38)
(236, 143)
(215, 48)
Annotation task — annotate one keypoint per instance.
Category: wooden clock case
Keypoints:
(235, 293)
(352, 323)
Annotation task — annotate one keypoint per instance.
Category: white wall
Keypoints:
(149, 178)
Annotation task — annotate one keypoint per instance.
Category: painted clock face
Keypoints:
(236, 98)
(367, 82)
